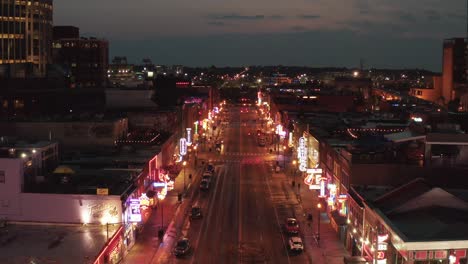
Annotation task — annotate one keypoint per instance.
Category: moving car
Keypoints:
(291, 225)
(207, 177)
(210, 168)
(196, 213)
(182, 247)
(261, 142)
(295, 244)
(204, 185)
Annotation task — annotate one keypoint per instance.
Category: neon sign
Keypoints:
(183, 147)
(144, 201)
(159, 184)
(382, 248)
(196, 127)
(322, 187)
(314, 178)
(332, 194)
(189, 136)
(302, 154)
(135, 213)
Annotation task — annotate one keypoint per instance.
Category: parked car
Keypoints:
(295, 244)
(182, 247)
(196, 213)
(291, 225)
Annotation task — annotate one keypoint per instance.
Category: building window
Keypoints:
(2, 176)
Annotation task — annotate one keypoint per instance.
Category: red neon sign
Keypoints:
(381, 255)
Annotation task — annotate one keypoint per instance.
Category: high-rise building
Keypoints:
(454, 72)
(25, 37)
(85, 60)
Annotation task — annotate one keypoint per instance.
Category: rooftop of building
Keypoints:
(13, 148)
(9, 142)
(73, 179)
(52, 243)
(130, 155)
(85, 117)
(145, 137)
(420, 210)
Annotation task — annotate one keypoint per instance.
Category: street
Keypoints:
(245, 208)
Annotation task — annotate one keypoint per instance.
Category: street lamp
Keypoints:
(195, 162)
(294, 162)
(184, 164)
(284, 157)
(319, 206)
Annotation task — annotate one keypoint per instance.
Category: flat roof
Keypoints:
(52, 243)
(404, 136)
(447, 139)
(420, 212)
(86, 181)
(7, 142)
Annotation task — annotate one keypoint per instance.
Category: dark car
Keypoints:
(210, 168)
(204, 185)
(206, 177)
(291, 225)
(196, 213)
(182, 247)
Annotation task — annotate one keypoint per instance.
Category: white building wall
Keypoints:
(10, 189)
(66, 208)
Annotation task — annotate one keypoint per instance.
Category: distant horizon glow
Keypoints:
(319, 33)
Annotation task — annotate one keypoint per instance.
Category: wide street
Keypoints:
(245, 208)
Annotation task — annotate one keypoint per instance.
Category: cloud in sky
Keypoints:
(236, 17)
(309, 16)
(131, 22)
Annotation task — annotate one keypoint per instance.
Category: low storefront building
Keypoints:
(416, 223)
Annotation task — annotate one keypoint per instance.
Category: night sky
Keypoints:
(384, 33)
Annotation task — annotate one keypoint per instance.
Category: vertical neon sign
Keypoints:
(183, 146)
(189, 136)
(302, 154)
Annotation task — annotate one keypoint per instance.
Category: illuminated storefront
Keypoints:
(112, 253)
(313, 152)
(375, 235)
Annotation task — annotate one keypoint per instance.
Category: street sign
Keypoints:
(102, 191)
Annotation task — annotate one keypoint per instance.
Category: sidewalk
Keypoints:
(331, 249)
(147, 243)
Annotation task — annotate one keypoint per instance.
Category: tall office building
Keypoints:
(25, 37)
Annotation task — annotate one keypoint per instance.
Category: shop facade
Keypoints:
(113, 251)
(375, 237)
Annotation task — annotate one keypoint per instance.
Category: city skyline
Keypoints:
(311, 33)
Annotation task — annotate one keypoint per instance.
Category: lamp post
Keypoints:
(162, 214)
(284, 157)
(195, 162)
(184, 164)
(319, 206)
(294, 163)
